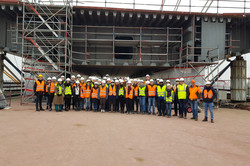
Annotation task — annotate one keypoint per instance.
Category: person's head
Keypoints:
(147, 77)
(116, 82)
(82, 80)
(168, 86)
(151, 82)
(40, 77)
(129, 83)
(161, 81)
(62, 77)
(103, 82)
(177, 81)
(78, 77)
(147, 82)
(141, 82)
(49, 80)
(112, 82)
(88, 82)
(68, 80)
(135, 81)
(73, 78)
(181, 81)
(59, 81)
(168, 82)
(53, 79)
(193, 82)
(108, 80)
(121, 82)
(96, 84)
(208, 84)
(157, 81)
(77, 83)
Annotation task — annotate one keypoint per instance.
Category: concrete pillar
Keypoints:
(1, 70)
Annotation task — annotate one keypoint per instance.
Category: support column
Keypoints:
(2, 54)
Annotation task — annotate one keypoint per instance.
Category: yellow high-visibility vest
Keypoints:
(182, 93)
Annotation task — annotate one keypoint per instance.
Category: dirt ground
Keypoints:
(29, 138)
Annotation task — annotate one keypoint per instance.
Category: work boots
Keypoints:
(205, 119)
(212, 121)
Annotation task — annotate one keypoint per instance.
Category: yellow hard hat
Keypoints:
(40, 75)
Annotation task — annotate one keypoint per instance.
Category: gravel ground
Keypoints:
(29, 138)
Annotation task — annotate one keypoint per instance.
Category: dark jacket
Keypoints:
(207, 100)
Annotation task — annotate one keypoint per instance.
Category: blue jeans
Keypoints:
(151, 102)
(87, 103)
(183, 107)
(194, 107)
(142, 100)
(210, 106)
(168, 108)
(82, 103)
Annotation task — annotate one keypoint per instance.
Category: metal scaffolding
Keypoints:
(44, 35)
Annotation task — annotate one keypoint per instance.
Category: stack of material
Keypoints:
(3, 102)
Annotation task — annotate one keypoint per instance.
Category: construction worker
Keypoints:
(112, 96)
(194, 97)
(73, 83)
(117, 98)
(78, 77)
(103, 95)
(147, 78)
(63, 79)
(76, 94)
(129, 97)
(87, 95)
(58, 96)
(121, 93)
(135, 99)
(146, 103)
(94, 96)
(151, 89)
(51, 91)
(160, 95)
(39, 90)
(208, 95)
(67, 94)
(182, 93)
(142, 97)
(82, 93)
(47, 92)
(176, 102)
(169, 97)
(108, 83)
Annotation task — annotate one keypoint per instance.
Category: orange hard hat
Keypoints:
(192, 81)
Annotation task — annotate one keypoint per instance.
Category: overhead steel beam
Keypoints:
(207, 6)
(177, 5)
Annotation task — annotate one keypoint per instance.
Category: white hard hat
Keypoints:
(62, 76)
(168, 84)
(168, 81)
(103, 81)
(129, 82)
(157, 79)
(141, 81)
(104, 78)
(147, 82)
(88, 80)
(48, 78)
(59, 79)
(181, 79)
(121, 81)
(135, 80)
(112, 81)
(77, 82)
(208, 83)
(147, 75)
(108, 79)
(68, 79)
(177, 80)
(116, 81)
(82, 79)
(73, 76)
(78, 75)
(151, 80)
(107, 75)
(96, 83)
(161, 80)
(99, 80)
(53, 78)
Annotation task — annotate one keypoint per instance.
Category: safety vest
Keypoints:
(39, 86)
(193, 92)
(170, 98)
(82, 84)
(103, 91)
(161, 90)
(151, 90)
(52, 87)
(121, 92)
(129, 94)
(87, 92)
(82, 92)
(59, 88)
(208, 94)
(142, 91)
(68, 90)
(94, 93)
(182, 93)
(112, 91)
(136, 90)
(47, 88)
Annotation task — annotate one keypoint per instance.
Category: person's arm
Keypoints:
(173, 97)
(35, 85)
(187, 91)
(44, 87)
(107, 93)
(146, 91)
(202, 94)
(199, 92)
(98, 93)
(165, 95)
(214, 94)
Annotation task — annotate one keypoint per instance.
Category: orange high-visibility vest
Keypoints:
(39, 86)
(52, 87)
(82, 92)
(82, 84)
(112, 91)
(129, 94)
(193, 91)
(208, 94)
(151, 90)
(136, 90)
(103, 91)
(87, 91)
(94, 93)
(47, 88)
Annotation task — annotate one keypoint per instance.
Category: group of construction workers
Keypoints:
(113, 95)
